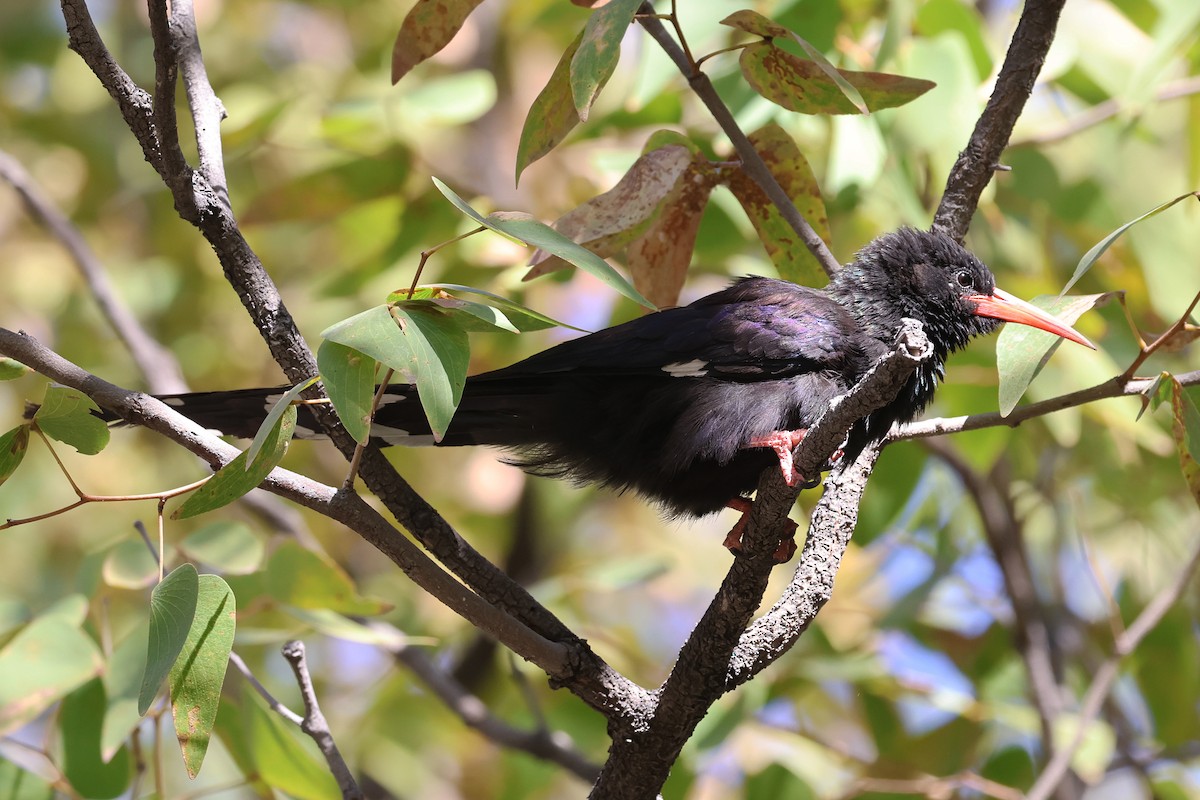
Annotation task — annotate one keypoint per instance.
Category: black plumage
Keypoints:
(677, 405)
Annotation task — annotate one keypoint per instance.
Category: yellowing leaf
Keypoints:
(802, 86)
(427, 28)
(783, 158)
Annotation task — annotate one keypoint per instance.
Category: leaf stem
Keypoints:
(425, 254)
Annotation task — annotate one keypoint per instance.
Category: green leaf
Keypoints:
(282, 759)
(230, 547)
(235, 479)
(523, 318)
(527, 230)
(122, 685)
(130, 565)
(80, 720)
(11, 369)
(792, 259)
(300, 577)
(47, 659)
(538, 234)
(426, 29)
(1022, 351)
(1093, 255)
(349, 378)
(440, 356)
(66, 415)
(552, 115)
(598, 52)
(199, 672)
(277, 411)
(802, 86)
(12, 451)
(172, 611)
(1096, 748)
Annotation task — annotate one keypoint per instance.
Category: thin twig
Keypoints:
(275, 705)
(1102, 391)
(315, 725)
(752, 162)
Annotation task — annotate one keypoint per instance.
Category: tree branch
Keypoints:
(315, 725)
(752, 162)
(642, 755)
(976, 164)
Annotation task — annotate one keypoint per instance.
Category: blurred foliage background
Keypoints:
(911, 670)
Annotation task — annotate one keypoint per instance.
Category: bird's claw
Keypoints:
(783, 443)
(733, 540)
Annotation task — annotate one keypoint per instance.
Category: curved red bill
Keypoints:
(1002, 305)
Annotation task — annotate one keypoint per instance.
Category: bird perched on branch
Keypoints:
(688, 406)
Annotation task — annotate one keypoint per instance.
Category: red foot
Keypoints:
(783, 443)
(733, 540)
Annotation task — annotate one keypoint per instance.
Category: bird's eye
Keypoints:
(965, 280)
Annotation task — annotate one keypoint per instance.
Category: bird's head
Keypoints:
(932, 278)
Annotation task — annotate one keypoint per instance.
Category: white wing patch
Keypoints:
(696, 368)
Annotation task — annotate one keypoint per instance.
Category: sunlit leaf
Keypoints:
(427, 28)
(13, 446)
(303, 578)
(199, 672)
(277, 411)
(1094, 755)
(66, 415)
(1091, 256)
(48, 658)
(237, 478)
(538, 234)
(792, 259)
(172, 609)
(439, 355)
(598, 51)
(349, 378)
(755, 23)
(552, 115)
(81, 718)
(11, 368)
(1022, 351)
(523, 318)
(802, 86)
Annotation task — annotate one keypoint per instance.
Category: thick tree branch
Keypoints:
(199, 202)
(976, 164)
(641, 756)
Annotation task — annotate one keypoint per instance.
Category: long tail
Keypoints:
(491, 412)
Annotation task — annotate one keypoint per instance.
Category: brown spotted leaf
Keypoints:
(658, 260)
(610, 221)
(802, 86)
(427, 29)
(755, 23)
(596, 58)
(792, 259)
(552, 115)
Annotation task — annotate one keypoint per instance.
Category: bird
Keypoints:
(688, 405)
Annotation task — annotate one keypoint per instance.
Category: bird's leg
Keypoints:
(733, 540)
(783, 443)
